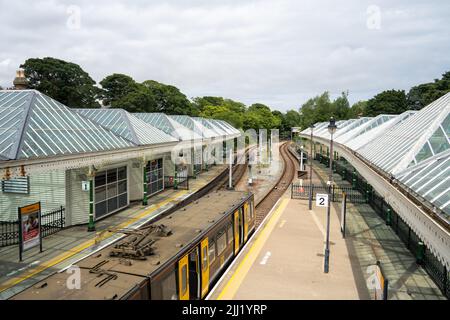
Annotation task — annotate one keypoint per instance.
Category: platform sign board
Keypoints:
(322, 200)
(343, 213)
(30, 234)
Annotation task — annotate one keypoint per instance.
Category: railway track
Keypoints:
(266, 204)
(239, 170)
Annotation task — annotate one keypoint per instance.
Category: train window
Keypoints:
(183, 280)
(250, 204)
(205, 258)
(169, 287)
(230, 233)
(221, 243)
(212, 252)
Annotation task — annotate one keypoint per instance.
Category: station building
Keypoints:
(62, 157)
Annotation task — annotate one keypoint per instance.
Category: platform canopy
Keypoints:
(168, 125)
(218, 131)
(127, 126)
(34, 125)
(421, 136)
(232, 129)
(413, 147)
(374, 128)
(431, 180)
(194, 125)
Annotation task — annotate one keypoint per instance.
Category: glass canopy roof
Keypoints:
(193, 125)
(432, 181)
(168, 125)
(34, 125)
(374, 128)
(414, 139)
(413, 147)
(218, 131)
(127, 125)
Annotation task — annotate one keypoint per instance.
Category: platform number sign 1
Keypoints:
(322, 200)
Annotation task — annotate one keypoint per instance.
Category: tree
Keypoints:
(259, 116)
(139, 100)
(358, 109)
(387, 102)
(341, 107)
(423, 94)
(202, 102)
(116, 87)
(223, 113)
(170, 99)
(63, 81)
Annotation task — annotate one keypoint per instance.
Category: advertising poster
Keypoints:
(30, 228)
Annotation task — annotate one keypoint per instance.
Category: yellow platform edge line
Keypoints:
(231, 287)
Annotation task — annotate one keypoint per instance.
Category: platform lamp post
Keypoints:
(311, 168)
(91, 176)
(331, 129)
(301, 158)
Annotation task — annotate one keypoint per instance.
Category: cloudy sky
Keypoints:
(277, 52)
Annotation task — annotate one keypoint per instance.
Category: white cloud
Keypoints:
(278, 52)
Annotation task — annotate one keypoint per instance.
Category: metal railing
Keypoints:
(52, 222)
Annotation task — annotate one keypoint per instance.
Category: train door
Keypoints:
(205, 266)
(236, 232)
(194, 274)
(183, 278)
(246, 219)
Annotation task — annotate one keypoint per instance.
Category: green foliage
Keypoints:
(387, 102)
(169, 99)
(259, 116)
(223, 112)
(116, 87)
(423, 94)
(321, 108)
(358, 109)
(63, 81)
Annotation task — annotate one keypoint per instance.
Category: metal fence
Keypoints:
(437, 271)
(180, 182)
(51, 222)
(299, 191)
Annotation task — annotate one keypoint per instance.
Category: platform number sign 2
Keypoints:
(322, 200)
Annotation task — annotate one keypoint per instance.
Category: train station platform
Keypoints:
(66, 247)
(284, 259)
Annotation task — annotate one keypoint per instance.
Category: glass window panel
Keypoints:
(438, 190)
(212, 252)
(122, 173)
(425, 153)
(100, 179)
(230, 235)
(122, 186)
(112, 205)
(112, 175)
(112, 190)
(446, 125)
(100, 193)
(221, 243)
(123, 200)
(444, 198)
(100, 209)
(439, 141)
